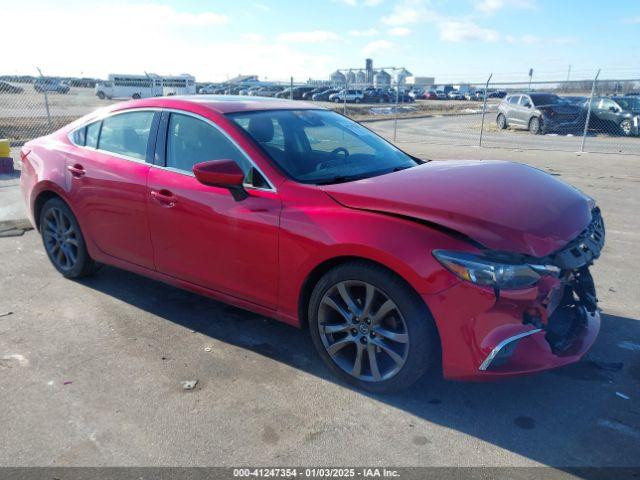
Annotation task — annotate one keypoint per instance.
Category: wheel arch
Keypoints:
(314, 276)
(41, 198)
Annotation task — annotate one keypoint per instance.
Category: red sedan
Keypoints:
(395, 264)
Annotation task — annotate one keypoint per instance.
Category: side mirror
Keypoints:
(221, 173)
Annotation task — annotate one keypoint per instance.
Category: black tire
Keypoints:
(357, 100)
(501, 121)
(336, 100)
(101, 95)
(136, 96)
(83, 265)
(626, 129)
(535, 126)
(423, 344)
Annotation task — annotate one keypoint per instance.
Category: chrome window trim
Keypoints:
(487, 361)
(100, 118)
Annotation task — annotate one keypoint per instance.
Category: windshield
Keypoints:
(544, 99)
(318, 146)
(629, 103)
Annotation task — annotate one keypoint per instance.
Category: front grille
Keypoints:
(583, 249)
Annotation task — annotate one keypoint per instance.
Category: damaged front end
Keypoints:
(532, 327)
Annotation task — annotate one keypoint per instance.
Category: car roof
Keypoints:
(222, 103)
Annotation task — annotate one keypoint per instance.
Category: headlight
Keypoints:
(489, 272)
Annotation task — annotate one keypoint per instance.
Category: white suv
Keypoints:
(355, 96)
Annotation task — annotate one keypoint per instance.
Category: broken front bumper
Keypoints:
(553, 323)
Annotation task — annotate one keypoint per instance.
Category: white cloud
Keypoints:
(464, 31)
(492, 6)
(376, 46)
(366, 3)
(399, 32)
(178, 42)
(309, 37)
(253, 37)
(407, 12)
(363, 33)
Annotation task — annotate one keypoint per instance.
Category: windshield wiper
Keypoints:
(339, 179)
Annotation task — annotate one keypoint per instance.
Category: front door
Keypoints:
(200, 233)
(107, 178)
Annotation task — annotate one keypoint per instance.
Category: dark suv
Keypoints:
(295, 94)
(616, 115)
(540, 113)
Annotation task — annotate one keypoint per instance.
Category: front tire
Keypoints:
(101, 95)
(625, 127)
(535, 126)
(135, 96)
(370, 328)
(63, 240)
(501, 121)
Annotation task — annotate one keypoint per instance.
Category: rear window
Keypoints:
(126, 134)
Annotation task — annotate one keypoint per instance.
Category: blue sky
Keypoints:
(451, 40)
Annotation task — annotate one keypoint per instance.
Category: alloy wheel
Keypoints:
(363, 331)
(625, 126)
(60, 238)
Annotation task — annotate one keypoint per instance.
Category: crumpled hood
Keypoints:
(502, 205)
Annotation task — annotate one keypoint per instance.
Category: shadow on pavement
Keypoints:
(568, 417)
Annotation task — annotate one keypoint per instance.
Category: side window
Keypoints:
(514, 100)
(524, 101)
(79, 136)
(191, 141)
(93, 131)
(126, 134)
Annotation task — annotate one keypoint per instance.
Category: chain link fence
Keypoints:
(584, 115)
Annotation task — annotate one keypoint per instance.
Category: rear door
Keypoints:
(107, 181)
(512, 110)
(200, 233)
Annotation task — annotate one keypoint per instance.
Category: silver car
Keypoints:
(540, 113)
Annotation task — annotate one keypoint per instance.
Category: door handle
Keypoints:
(76, 170)
(164, 197)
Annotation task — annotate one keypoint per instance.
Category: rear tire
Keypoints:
(101, 95)
(402, 337)
(63, 240)
(136, 96)
(501, 121)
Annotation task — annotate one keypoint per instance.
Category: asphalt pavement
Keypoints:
(91, 371)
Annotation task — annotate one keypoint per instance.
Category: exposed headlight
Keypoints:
(490, 272)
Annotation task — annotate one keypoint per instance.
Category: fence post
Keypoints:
(484, 108)
(344, 97)
(395, 120)
(46, 103)
(291, 90)
(586, 122)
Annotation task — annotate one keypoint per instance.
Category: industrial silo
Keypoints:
(351, 77)
(361, 77)
(382, 79)
(400, 76)
(337, 78)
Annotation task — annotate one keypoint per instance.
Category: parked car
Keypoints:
(373, 95)
(497, 94)
(455, 95)
(402, 96)
(6, 87)
(616, 115)
(355, 96)
(417, 94)
(441, 95)
(540, 113)
(267, 91)
(491, 280)
(324, 95)
(248, 90)
(431, 95)
(574, 100)
(295, 94)
(50, 85)
(309, 94)
(208, 89)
